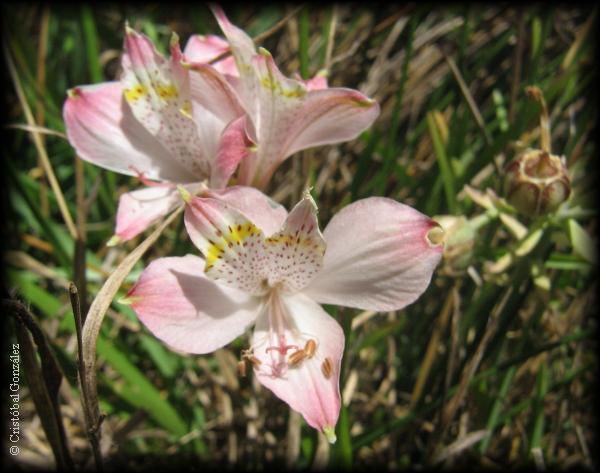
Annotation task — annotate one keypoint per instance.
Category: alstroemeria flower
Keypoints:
(284, 115)
(273, 270)
(151, 124)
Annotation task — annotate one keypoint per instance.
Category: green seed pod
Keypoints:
(536, 182)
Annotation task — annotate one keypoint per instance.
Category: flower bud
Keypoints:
(536, 182)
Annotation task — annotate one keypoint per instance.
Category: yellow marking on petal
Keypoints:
(329, 433)
(212, 254)
(167, 91)
(240, 232)
(270, 83)
(186, 110)
(135, 93)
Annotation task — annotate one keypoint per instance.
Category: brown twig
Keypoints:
(79, 260)
(92, 425)
(44, 394)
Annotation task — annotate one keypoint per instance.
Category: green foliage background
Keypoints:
(507, 353)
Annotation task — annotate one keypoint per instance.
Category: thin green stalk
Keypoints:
(303, 42)
(90, 35)
(445, 170)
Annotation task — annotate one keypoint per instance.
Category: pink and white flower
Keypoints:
(181, 120)
(287, 115)
(264, 267)
(150, 124)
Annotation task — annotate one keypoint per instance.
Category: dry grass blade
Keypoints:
(37, 140)
(294, 436)
(451, 407)
(21, 259)
(95, 316)
(469, 98)
(330, 37)
(432, 349)
(459, 445)
(40, 110)
(37, 129)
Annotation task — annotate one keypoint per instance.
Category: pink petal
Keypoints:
(380, 256)
(103, 131)
(243, 50)
(291, 118)
(284, 327)
(296, 252)
(260, 209)
(241, 44)
(233, 147)
(158, 93)
(318, 82)
(213, 92)
(203, 49)
(141, 208)
(231, 244)
(188, 311)
(215, 104)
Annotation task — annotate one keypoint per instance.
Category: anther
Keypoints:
(310, 348)
(327, 367)
(296, 357)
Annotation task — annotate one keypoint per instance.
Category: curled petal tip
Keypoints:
(73, 93)
(129, 30)
(185, 195)
(435, 236)
(263, 52)
(322, 73)
(330, 434)
(114, 240)
(174, 41)
(306, 195)
(128, 300)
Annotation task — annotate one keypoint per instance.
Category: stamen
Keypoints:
(296, 357)
(310, 348)
(327, 367)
